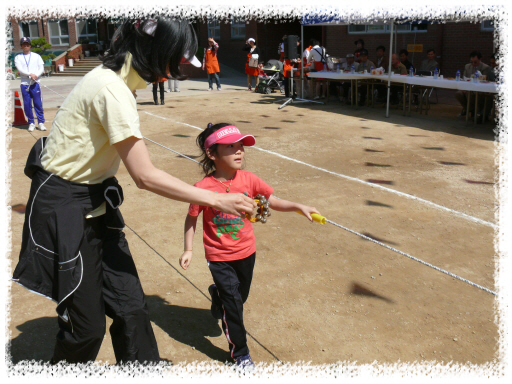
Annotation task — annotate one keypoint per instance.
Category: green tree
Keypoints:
(40, 45)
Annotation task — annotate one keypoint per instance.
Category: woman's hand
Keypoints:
(185, 259)
(234, 204)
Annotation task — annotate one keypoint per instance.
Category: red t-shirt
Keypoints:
(229, 237)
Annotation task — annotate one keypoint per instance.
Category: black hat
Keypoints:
(363, 52)
(24, 40)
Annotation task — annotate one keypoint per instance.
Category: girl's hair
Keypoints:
(206, 163)
(154, 57)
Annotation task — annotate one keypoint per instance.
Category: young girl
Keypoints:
(229, 241)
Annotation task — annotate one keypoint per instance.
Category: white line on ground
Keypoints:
(419, 199)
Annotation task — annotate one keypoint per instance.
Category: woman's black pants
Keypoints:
(110, 286)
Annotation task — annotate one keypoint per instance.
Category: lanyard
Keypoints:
(29, 57)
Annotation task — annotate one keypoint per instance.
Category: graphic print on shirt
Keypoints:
(229, 224)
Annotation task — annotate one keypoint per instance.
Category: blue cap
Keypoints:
(24, 40)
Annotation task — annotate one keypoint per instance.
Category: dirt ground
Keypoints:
(320, 293)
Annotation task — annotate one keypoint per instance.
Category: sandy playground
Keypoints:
(320, 293)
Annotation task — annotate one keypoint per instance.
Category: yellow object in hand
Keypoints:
(316, 217)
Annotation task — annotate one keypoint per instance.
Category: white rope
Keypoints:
(53, 91)
(367, 238)
(412, 257)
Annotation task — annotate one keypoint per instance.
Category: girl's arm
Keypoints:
(289, 206)
(135, 157)
(190, 230)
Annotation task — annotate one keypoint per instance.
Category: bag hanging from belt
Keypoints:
(253, 63)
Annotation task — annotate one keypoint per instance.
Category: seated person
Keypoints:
(430, 63)
(398, 68)
(475, 64)
(404, 59)
(261, 73)
(345, 86)
(364, 65)
(382, 61)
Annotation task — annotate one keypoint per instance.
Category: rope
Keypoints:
(53, 91)
(412, 257)
(369, 238)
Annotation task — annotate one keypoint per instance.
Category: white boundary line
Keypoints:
(427, 202)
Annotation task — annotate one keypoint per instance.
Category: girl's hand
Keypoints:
(203, 67)
(234, 204)
(307, 211)
(185, 259)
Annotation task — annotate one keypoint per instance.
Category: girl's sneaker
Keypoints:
(245, 364)
(249, 89)
(210, 89)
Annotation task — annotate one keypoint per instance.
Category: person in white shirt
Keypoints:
(317, 56)
(30, 67)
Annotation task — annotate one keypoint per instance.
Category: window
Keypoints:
(488, 25)
(237, 28)
(214, 29)
(58, 29)
(386, 28)
(86, 30)
(112, 26)
(29, 28)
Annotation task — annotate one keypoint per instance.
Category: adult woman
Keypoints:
(73, 248)
(254, 53)
(211, 63)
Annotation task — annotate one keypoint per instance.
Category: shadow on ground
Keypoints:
(188, 326)
(36, 341)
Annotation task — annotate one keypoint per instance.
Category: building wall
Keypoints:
(462, 38)
(44, 31)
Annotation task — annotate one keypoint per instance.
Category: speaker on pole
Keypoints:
(290, 47)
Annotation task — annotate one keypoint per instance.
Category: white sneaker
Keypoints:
(316, 97)
(31, 127)
(42, 127)
(210, 89)
(176, 90)
(218, 89)
(168, 90)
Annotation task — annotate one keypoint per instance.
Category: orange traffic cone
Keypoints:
(19, 116)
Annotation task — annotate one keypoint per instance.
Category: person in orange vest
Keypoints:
(160, 84)
(211, 63)
(254, 53)
(288, 64)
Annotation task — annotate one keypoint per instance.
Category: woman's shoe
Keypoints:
(156, 102)
(162, 102)
(249, 88)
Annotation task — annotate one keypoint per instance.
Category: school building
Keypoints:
(452, 41)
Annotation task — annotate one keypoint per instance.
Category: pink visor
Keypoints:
(190, 59)
(229, 135)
